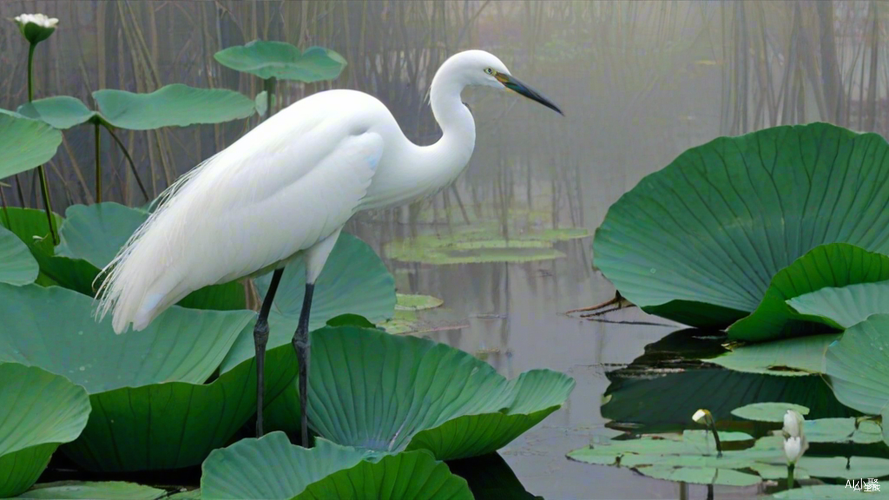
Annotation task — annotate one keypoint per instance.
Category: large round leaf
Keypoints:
(844, 306)
(272, 468)
(376, 391)
(31, 227)
(87, 490)
(768, 412)
(700, 240)
(831, 265)
(17, 265)
(175, 105)
(858, 365)
(152, 409)
(95, 233)
(690, 458)
(282, 61)
(38, 411)
(25, 143)
(799, 356)
(820, 492)
(61, 112)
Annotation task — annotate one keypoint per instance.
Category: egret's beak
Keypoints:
(511, 83)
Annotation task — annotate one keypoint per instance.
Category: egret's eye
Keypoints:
(490, 71)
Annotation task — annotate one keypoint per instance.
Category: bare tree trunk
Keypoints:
(830, 68)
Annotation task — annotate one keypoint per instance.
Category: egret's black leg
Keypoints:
(301, 344)
(260, 340)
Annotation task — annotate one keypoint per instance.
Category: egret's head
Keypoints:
(478, 67)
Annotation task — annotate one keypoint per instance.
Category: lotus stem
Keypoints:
(41, 171)
(269, 86)
(5, 208)
(21, 192)
(98, 165)
(47, 203)
(716, 438)
(30, 65)
(790, 468)
(129, 160)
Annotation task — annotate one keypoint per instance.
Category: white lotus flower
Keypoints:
(39, 19)
(794, 447)
(793, 424)
(702, 417)
(36, 27)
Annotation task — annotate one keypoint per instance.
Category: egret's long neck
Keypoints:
(419, 171)
(442, 162)
(454, 118)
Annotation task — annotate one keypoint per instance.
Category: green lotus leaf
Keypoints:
(694, 448)
(844, 467)
(700, 475)
(398, 394)
(884, 423)
(350, 320)
(175, 105)
(272, 468)
(17, 265)
(844, 306)
(194, 494)
(408, 475)
(282, 61)
(776, 471)
(25, 143)
(262, 102)
(95, 233)
(31, 227)
(819, 492)
(404, 302)
(799, 356)
(152, 408)
(699, 241)
(61, 112)
(38, 412)
(842, 430)
(87, 490)
(831, 265)
(476, 245)
(858, 365)
(768, 412)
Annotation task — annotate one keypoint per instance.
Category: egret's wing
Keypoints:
(276, 191)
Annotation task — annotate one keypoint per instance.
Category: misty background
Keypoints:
(639, 81)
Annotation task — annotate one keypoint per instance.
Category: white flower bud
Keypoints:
(794, 447)
(793, 424)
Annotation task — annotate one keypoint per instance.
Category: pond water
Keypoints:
(633, 371)
(515, 313)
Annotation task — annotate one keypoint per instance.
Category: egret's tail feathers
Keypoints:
(146, 275)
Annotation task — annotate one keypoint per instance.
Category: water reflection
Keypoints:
(490, 478)
(660, 390)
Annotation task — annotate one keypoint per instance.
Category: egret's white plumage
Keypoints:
(289, 186)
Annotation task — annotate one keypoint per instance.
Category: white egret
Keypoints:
(285, 189)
